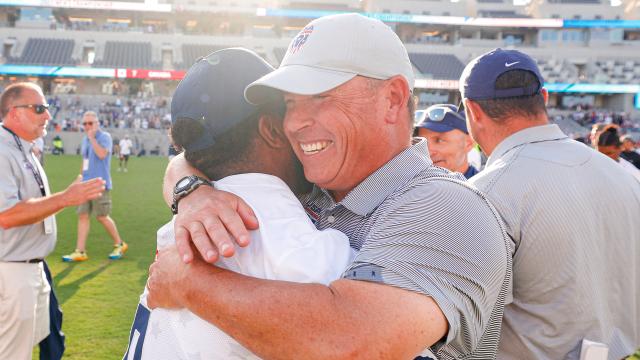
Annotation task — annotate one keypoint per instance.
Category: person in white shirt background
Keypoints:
(243, 148)
(125, 151)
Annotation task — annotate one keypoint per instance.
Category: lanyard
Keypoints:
(34, 169)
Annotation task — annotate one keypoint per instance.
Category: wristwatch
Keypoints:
(184, 187)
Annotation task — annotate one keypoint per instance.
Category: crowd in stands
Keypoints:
(121, 113)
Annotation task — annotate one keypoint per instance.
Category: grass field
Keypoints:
(99, 296)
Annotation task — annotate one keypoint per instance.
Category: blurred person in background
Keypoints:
(96, 163)
(447, 137)
(572, 215)
(125, 146)
(27, 221)
(629, 151)
(608, 142)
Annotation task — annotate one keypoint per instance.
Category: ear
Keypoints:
(270, 130)
(474, 112)
(398, 96)
(468, 143)
(545, 96)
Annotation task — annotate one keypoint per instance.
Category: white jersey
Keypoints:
(287, 246)
(125, 146)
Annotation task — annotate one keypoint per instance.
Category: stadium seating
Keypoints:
(126, 54)
(437, 66)
(46, 52)
(192, 52)
(279, 53)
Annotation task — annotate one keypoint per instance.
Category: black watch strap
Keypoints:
(186, 186)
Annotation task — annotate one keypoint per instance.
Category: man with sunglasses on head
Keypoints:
(571, 212)
(447, 138)
(28, 227)
(96, 163)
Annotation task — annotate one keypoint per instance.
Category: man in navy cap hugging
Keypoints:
(243, 148)
(571, 212)
(447, 138)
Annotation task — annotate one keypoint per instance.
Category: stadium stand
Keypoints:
(46, 52)
(437, 66)
(192, 52)
(127, 54)
(279, 53)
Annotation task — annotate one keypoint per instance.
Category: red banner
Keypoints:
(150, 74)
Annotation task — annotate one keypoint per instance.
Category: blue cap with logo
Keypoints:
(444, 118)
(212, 92)
(478, 78)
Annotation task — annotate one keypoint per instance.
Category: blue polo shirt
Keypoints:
(97, 167)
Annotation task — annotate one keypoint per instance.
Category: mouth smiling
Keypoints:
(315, 147)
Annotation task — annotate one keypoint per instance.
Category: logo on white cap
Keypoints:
(301, 39)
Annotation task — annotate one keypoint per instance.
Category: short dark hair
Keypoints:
(609, 136)
(230, 152)
(11, 94)
(524, 106)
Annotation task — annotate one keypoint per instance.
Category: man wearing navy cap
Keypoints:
(447, 138)
(571, 212)
(243, 148)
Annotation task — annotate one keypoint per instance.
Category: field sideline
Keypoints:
(99, 296)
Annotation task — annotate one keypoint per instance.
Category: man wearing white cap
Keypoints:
(415, 285)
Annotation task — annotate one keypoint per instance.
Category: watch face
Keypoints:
(183, 183)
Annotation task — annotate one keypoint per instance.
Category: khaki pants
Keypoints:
(24, 309)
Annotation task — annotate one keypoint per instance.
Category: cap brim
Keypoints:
(437, 127)
(295, 79)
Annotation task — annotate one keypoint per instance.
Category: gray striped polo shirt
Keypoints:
(574, 215)
(424, 229)
(17, 183)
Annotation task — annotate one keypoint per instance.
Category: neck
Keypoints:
(508, 127)
(15, 131)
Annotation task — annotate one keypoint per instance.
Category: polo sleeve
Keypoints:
(442, 240)
(106, 142)
(9, 186)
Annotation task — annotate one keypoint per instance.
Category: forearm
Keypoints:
(31, 211)
(283, 320)
(177, 169)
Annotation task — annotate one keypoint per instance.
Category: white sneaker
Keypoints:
(119, 169)
(125, 170)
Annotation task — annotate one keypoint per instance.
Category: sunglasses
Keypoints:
(37, 108)
(88, 123)
(437, 113)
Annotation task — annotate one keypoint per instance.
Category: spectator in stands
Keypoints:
(595, 130)
(425, 273)
(576, 248)
(608, 143)
(125, 151)
(96, 163)
(447, 138)
(629, 151)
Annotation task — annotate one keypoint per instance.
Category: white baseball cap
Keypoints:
(330, 51)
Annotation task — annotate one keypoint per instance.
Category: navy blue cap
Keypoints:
(478, 78)
(212, 92)
(451, 120)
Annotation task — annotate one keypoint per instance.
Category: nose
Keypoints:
(298, 116)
